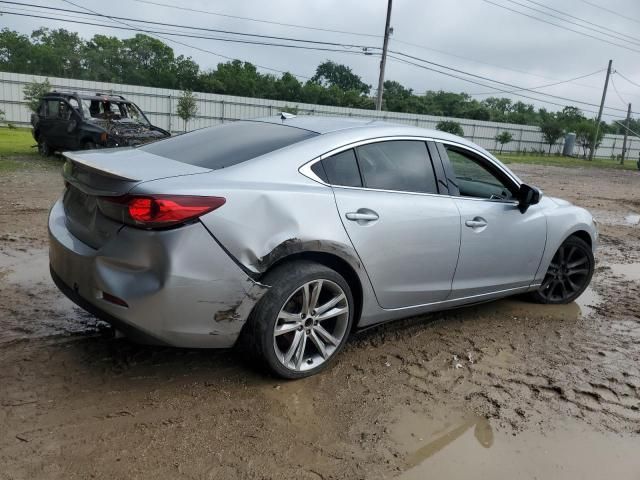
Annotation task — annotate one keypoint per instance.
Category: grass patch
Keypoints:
(17, 152)
(16, 141)
(557, 161)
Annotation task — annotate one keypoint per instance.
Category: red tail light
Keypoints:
(158, 211)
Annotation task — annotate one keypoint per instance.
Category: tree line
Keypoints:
(143, 60)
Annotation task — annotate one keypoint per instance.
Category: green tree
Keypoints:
(104, 59)
(498, 108)
(15, 52)
(396, 97)
(147, 61)
(334, 74)
(551, 130)
(570, 118)
(586, 132)
(34, 91)
(503, 138)
(57, 53)
(187, 107)
(236, 78)
(450, 127)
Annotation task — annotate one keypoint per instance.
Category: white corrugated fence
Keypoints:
(159, 105)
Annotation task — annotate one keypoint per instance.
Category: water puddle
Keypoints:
(630, 271)
(455, 445)
(516, 308)
(607, 217)
(632, 219)
(30, 304)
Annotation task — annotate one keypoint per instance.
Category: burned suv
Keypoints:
(72, 121)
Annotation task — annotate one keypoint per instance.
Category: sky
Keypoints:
(474, 36)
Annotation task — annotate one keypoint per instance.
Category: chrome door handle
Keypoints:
(476, 223)
(362, 217)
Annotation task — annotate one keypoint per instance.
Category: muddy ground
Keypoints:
(503, 390)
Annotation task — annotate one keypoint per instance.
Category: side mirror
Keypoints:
(527, 196)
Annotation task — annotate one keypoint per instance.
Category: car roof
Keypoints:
(102, 97)
(325, 125)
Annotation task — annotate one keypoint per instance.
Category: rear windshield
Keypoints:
(227, 145)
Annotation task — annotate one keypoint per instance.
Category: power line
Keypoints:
(189, 27)
(617, 35)
(627, 128)
(183, 43)
(613, 84)
(561, 26)
(548, 84)
(475, 82)
(502, 67)
(137, 28)
(613, 12)
(237, 17)
(510, 85)
(630, 81)
(180, 34)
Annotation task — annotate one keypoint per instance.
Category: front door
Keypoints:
(500, 247)
(406, 235)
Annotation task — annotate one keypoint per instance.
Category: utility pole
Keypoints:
(383, 60)
(626, 133)
(604, 97)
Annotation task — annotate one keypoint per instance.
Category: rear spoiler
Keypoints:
(88, 164)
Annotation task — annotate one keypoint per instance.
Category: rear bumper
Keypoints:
(181, 288)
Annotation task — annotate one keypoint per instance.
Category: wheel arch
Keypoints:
(335, 262)
(582, 235)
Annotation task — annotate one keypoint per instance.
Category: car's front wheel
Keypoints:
(569, 273)
(303, 321)
(44, 149)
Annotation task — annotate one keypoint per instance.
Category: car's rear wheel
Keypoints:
(569, 273)
(303, 321)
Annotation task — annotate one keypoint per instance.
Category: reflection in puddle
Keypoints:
(517, 308)
(449, 444)
(631, 271)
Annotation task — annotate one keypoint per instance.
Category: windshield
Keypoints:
(113, 110)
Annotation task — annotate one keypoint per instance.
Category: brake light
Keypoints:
(158, 211)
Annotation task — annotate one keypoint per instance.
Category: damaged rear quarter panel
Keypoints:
(261, 224)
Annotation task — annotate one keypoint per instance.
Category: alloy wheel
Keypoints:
(311, 325)
(568, 274)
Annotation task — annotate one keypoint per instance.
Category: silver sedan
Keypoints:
(286, 234)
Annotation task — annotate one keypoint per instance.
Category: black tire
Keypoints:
(258, 334)
(574, 284)
(88, 145)
(44, 149)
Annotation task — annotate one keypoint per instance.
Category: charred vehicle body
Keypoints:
(72, 121)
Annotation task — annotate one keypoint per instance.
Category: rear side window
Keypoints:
(402, 165)
(342, 169)
(227, 145)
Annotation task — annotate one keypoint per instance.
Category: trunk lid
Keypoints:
(95, 173)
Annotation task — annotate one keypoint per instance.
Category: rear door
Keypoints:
(501, 247)
(406, 235)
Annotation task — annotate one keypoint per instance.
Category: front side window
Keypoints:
(402, 165)
(53, 108)
(474, 179)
